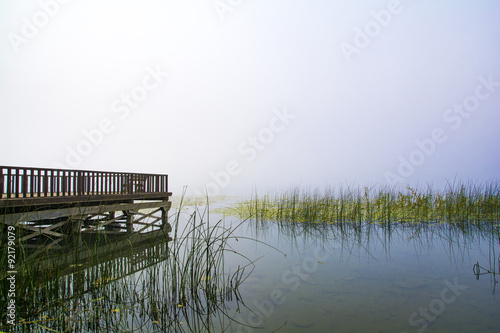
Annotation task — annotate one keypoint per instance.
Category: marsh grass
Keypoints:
(169, 284)
(457, 203)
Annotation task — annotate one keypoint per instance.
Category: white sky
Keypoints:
(231, 69)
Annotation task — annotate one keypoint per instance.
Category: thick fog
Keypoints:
(227, 96)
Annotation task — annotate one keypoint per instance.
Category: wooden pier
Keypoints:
(49, 206)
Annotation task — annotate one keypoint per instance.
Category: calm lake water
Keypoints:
(406, 279)
(303, 277)
(367, 277)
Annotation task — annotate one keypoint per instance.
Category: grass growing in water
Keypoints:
(181, 284)
(457, 203)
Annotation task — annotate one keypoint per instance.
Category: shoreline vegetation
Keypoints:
(177, 282)
(457, 203)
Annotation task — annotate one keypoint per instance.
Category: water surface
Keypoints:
(266, 276)
(369, 277)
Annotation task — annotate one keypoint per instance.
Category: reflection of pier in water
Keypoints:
(53, 207)
(87, 268)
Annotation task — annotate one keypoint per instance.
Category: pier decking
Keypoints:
(50, 205)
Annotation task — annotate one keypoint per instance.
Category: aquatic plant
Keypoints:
(156, 285)
(458, 202)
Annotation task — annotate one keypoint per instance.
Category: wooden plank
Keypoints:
(32, 203)
(144, 217)
(150, 225)
(14, 219)
(41, 231)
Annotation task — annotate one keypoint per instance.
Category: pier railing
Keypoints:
(20, 182)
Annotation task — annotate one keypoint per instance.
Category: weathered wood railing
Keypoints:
(19, 182)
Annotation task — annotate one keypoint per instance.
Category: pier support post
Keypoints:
(71, 228)
(164, 219)
(130, 222)
(76, 232)
(110, 227)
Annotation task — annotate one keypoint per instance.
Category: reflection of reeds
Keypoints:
(178, 284)
(361, 239)
(457, 203)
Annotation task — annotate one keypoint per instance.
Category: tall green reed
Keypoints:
(180, 284)
(458, 202)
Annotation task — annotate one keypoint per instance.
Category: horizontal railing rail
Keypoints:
(20, 182)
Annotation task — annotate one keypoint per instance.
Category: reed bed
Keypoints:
(456, 203)
(180, 284)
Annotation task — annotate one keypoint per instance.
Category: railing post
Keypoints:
(24, 183)
(79, 182)
(107, 177)
(53, 183)
(71, 182)
(39, 182)
(60, 183)
(9, 182)
(104, 183)
(89, 187)
(32, 183)
(91, 183)
(57, 183)
(120, 182)
(64, 183)
(130, 183)
(16, 183)
(45, 183)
